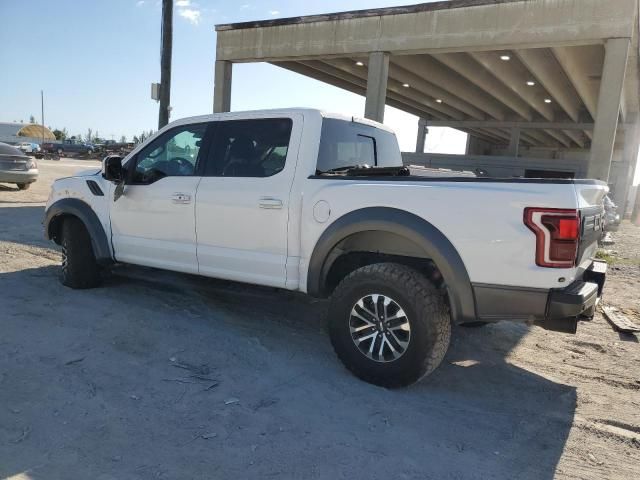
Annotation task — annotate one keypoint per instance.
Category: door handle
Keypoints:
(270, 203)
(182, 198)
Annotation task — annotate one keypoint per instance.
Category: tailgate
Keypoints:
(590, 196)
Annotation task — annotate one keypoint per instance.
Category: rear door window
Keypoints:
(249, 148)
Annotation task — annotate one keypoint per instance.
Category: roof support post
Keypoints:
(514, 143)
(377, 76)
(629, 158)
(222, 86)
(606, 121)
(422, 133)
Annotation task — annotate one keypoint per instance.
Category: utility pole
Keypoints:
(165, 62)
(42, 112)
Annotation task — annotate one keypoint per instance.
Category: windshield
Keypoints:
(345, 144)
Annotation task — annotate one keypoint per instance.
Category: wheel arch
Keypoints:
(73, 207)
(404, 235)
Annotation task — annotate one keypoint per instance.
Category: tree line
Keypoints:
(92, 137)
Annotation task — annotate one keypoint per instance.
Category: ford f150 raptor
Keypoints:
(304, 200)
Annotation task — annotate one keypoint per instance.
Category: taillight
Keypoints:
(557, 235)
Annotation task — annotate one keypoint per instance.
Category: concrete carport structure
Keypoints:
(539, 85)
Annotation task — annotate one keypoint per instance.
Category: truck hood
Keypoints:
(88, 173)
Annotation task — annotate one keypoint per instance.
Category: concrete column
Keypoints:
(422, 133)
(629, 156)
(222, 86)
(635, 214)
(376, 86)
(606, 121)
(514, 143)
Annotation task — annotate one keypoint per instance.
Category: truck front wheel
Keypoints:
(389, 325)
(79, 266)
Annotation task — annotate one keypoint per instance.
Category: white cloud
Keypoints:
(274, 12)
(190, 14)
(246, 5)
(183, 3)
(139, 3)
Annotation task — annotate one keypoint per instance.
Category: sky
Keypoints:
(96, 60)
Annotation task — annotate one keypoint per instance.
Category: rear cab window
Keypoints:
(346, 143)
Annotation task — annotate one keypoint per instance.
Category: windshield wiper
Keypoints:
(367, 170)
(341, 169)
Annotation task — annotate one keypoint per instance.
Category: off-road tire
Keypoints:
(23, 186)
(426, 311)
(79, 267)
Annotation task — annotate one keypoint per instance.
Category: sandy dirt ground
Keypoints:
(165, 376)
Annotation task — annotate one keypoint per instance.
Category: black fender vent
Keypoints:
(95, 188)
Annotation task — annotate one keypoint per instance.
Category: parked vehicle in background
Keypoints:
(28, 147)
(16, 167)
(69, 146)
(611, 218)
(304, 200)
(111, 146)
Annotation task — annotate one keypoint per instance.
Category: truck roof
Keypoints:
(308, 112)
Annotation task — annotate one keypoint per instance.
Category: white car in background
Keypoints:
(28, 147)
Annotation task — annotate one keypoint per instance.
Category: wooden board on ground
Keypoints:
(619, 321)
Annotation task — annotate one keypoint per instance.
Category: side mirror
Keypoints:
(112, 168)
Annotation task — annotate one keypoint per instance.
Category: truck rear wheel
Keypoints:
(389, 325)
(23, 186)
(79, 266)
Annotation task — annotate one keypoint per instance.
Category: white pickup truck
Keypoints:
(304, 200)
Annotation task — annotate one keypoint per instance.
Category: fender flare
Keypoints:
(81, 210)
(432, 241)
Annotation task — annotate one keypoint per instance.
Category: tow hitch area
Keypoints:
(576, 302)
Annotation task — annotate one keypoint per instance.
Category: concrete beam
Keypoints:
(420, 91)
(539, 140)
(575, 68)
(430, 29)
(377, 75)
(489, 136)
(472, 71)
(515, 76)
(606, 121)
(559, 136)
(222, 86)
(436, 73)
(435, 92)
(509, 124)
(576, 136)
(541, 137)
(352, 84)
(545, 69)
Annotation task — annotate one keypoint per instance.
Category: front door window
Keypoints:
(174, 154)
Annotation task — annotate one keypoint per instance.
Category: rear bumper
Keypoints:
(557, 309)
(11, 176)
(567, 306)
